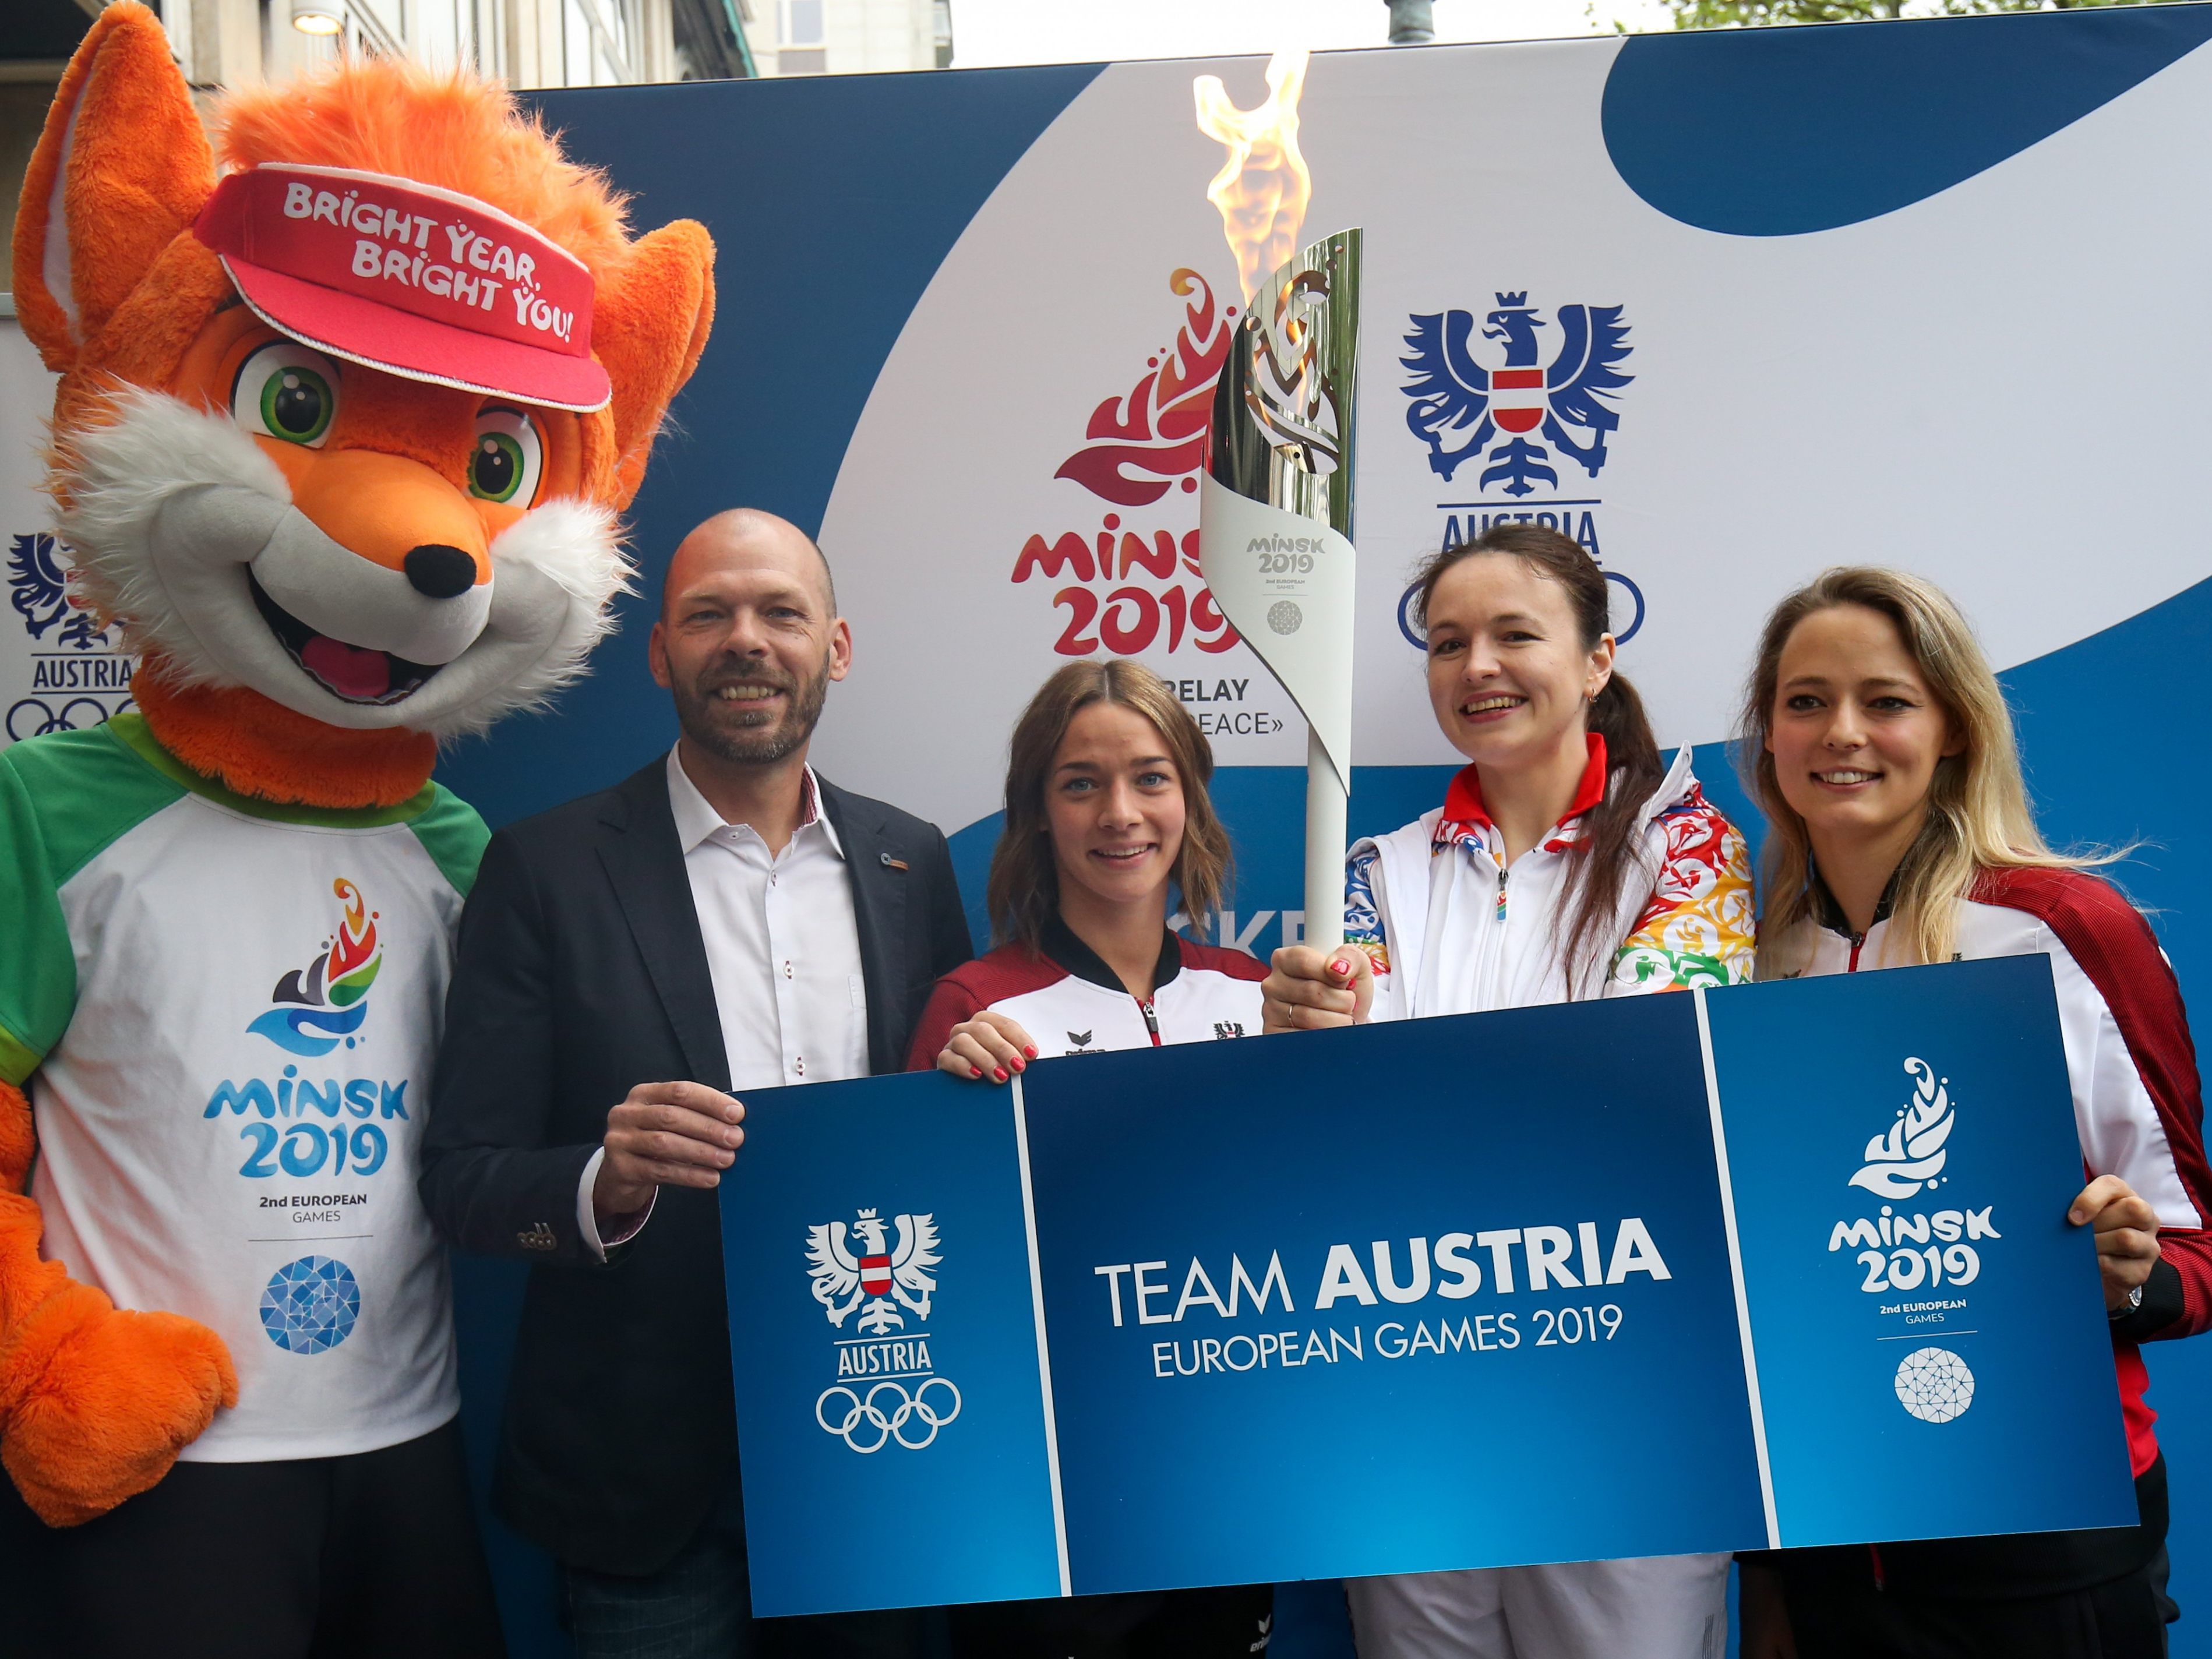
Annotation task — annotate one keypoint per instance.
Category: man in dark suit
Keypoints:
(628, 964)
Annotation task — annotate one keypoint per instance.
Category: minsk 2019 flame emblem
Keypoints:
(887, 1386)
(1133, 584)
(324, 1003)
(1911, 1156)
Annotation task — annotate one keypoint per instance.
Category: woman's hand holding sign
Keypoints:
(990, 1045)
(2127, 1235)
(1307, 990)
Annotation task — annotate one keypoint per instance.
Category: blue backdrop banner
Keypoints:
(1782, 1264)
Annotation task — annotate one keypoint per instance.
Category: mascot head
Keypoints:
(348, 403)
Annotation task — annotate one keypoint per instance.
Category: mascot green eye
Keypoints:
(507, 459)
(287, 392)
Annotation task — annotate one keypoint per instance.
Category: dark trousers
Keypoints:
(699, 1607)
(1189, 1623)
(1845, 1617)
(374, 1556)
(2038, 1595)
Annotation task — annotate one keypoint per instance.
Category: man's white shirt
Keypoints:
(783, 948)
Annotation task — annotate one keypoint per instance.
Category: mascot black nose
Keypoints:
(439, 572)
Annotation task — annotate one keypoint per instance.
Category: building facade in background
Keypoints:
(849, 36)
(530, 44)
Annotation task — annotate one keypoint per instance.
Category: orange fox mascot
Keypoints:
(347, 407)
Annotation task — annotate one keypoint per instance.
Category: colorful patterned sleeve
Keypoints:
(1362, 917)
(1697, 930)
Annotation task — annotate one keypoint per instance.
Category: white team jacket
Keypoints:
(1452, 931)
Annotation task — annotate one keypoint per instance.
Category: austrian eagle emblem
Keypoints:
(872, 1275)
(1519, 417)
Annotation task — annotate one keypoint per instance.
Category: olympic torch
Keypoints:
(1275, 524)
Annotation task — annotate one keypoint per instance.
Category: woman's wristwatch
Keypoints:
(2134, 1302)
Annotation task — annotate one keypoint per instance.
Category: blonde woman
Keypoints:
(1107, 822)
(1565, 862)
(1882, 754)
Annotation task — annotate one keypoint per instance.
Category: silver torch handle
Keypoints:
(1275, 524)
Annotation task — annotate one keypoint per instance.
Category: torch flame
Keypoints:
(1263, 187)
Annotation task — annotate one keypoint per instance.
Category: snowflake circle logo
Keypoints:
(1284, 617)
(1934, 1385)
(311, 1305)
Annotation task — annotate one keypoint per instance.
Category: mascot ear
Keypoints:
(648, 327)
(121, 169)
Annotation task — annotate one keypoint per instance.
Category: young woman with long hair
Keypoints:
(1565, 862)
(1107, 822)
(1881, 752)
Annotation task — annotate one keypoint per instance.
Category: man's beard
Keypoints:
(746, 733)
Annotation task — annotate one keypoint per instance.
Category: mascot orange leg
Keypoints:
(95, 1401)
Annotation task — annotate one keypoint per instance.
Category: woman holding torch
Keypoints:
(1565, 862)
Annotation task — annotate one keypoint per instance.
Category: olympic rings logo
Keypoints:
(34, 717)
(863, 1414)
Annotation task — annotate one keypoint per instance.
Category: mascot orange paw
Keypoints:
(97, 1400)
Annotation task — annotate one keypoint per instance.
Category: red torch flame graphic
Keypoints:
(356, 940)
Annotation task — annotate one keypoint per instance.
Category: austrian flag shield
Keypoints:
(1516, 398)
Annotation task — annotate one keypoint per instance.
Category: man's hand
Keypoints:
(2127, 1235)
(665, 1135)
(990, 1045)
(1307, 989)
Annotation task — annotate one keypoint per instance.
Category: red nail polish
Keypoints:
(999, 1072)
(975, 1071)
(1030, 1051)
(1021, 1065)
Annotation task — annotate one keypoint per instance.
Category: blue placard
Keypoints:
(1481, 1420)
(1553, 1284)
(870, 1395)
(1930, 1331)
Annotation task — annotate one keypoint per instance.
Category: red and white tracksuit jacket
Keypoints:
(1072, 1003)
(2138, 1108)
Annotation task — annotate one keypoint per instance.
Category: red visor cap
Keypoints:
(419, 281)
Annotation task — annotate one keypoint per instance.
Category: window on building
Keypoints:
(801, 51)
(802, 22)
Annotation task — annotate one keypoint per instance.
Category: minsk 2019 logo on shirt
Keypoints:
(312, 1122)
(324, 1003)
(1917, 1261)
(888, 1388)
(1518, 414)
